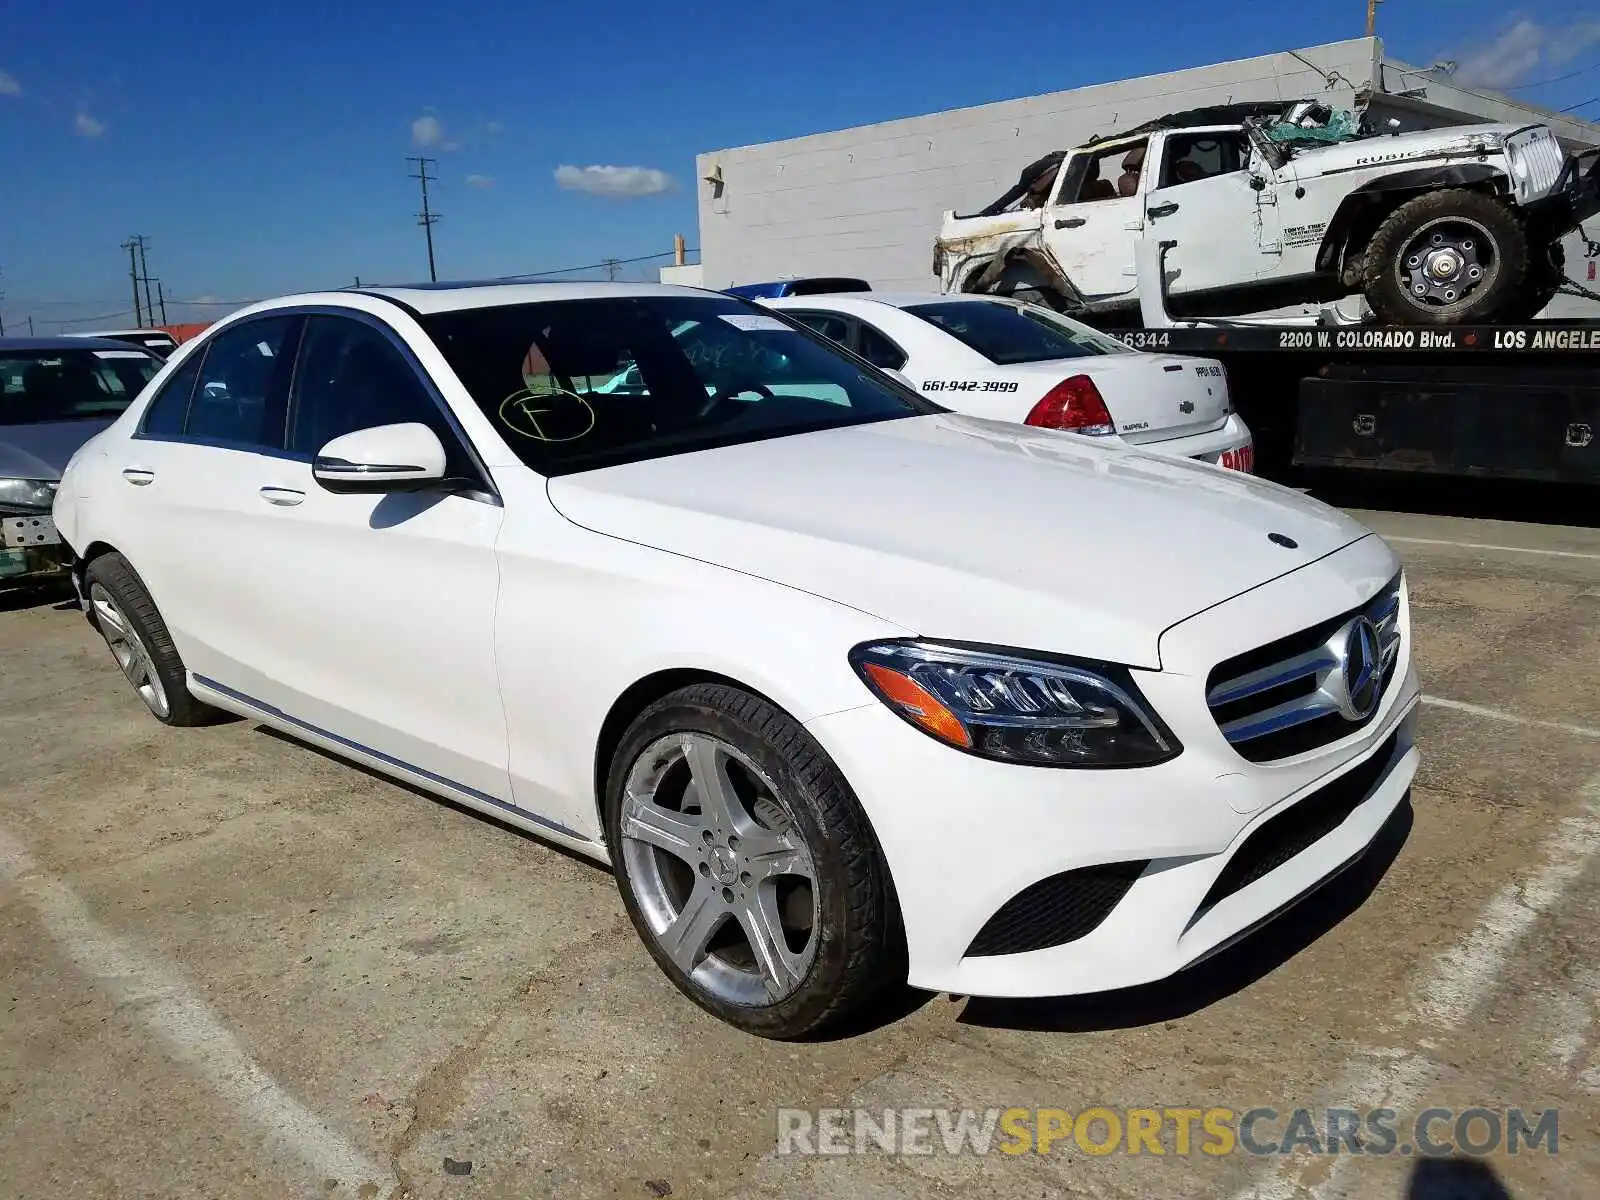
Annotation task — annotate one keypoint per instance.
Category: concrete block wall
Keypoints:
(867, 201)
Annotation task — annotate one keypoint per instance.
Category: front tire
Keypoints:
(120, 607)
(1451, 257)
(747, 866)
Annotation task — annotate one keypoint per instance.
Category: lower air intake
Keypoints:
(1055, 911)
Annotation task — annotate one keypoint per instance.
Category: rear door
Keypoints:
(1096, 216)
(187, 509)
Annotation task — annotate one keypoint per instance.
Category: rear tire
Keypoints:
(776, 843)
(120, 607)
(1451, 257)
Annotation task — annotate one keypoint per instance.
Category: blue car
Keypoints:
(797, 287)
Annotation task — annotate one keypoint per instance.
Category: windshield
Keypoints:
(577, 384)
(1006, 333)
(70, 385)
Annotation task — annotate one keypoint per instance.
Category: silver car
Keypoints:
(55, 394)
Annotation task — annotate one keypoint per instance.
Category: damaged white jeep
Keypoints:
(1273, 205)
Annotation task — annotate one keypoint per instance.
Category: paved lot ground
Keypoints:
(232, 967)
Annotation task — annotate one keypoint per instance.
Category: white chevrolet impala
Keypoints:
(848, 689)
(990, 356)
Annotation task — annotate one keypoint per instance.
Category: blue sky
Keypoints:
(262, 150)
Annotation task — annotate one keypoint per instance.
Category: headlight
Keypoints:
(1043, 712)
(37, 494)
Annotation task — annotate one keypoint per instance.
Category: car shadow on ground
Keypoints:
(20, 598)
(1454, 1179)
(1231, 971)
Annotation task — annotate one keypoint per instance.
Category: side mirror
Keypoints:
(384, 458)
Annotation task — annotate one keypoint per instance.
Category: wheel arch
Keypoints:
(637, 697)
(1361, 212)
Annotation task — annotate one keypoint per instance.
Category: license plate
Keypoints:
(1242, 459)
(19, 532)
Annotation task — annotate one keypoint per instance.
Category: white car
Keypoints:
(995, 357)
(847, 688)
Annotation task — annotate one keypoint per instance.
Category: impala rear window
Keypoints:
(1005, 333)
(578, 384)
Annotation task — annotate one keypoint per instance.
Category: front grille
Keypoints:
(1293, 695)
(1307, 821)
(1543, 159)
(1057, 910)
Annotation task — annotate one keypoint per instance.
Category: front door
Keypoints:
(1223, 216)
(1096, 217)
(385, 604)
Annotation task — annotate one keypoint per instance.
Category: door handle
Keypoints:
(1070, 222)
(283, 497)
(138, 476)
(1163, 210)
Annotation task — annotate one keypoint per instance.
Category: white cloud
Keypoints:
(479, 181)
(427, 131)
(86, 126)
(1523, 51)
(613, 181)
(9, 85)
(492, 128)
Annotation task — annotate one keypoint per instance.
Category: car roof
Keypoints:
(891, 299)
(493, 293)
(64, 342)
(121, 333)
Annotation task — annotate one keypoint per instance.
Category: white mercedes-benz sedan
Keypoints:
(990, 356)
(848, 689)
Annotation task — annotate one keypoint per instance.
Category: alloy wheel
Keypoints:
(129, 650)
(719, 869)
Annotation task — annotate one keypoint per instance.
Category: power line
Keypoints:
(427, 218)
(214, 302)
(1555, 79)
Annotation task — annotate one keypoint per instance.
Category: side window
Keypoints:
(244, 385)
(1107, 175)
(164, 416)
(829, 325)
(879, 350)
(1192, 157)
(352, 377)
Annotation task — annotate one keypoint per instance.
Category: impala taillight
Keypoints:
(1074, 405)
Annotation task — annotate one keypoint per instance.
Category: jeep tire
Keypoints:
(1451, 257)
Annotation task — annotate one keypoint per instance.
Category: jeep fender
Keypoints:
(1022, 260)
(1363, 210)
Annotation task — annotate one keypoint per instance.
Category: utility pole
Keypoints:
(611, 265)
(30, 324)
(144, 269)
(427, 216)
(132, 247)
(161, 299)
(1372, 17)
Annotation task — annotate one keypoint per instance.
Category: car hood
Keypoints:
(1386, 149)
(966, 529)
(41, 451)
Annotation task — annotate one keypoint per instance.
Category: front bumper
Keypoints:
(965, 837)
(30, 549)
